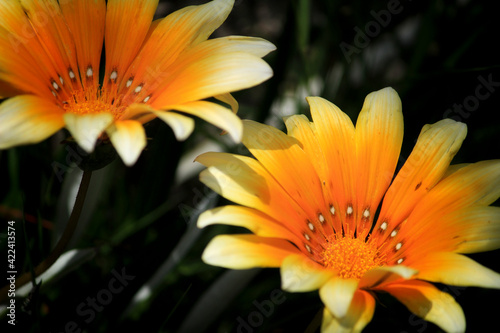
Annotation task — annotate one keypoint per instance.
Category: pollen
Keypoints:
(351, 257)
(92, 101)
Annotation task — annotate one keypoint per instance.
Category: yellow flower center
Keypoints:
(351, 257)
(90, 101)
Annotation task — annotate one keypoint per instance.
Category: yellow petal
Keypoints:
(247, 251)
(427, 302)
(336, 138)
(379, 135)
(457, 270)
(479, 228)
(229, 100)
(257, 222)
(337, 295)
(214, 114)
(87, 128)
(429, 160)
(299, 273)
(129, 139)
(381, 276)
(181, 125)
(28, 119)
(360, 313)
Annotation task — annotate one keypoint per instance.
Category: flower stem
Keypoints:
(61, 244)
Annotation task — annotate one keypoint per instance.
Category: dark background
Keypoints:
(434, 53)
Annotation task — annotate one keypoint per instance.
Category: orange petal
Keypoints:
(171, 36)
(336, 138)
(299, 273)
(244, 181)
(127, 24)
(128, 138)
(247, 251)
(360, 313)
(379, 135)
(427, 302)
(86, 19)
(28, 119)
(429, 160)
(283, 157)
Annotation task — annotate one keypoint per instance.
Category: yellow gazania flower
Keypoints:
(50, 52)
(311, 199)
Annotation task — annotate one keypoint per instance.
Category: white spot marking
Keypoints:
(113, 75)
(61, 80)
(147, 99)
(71, 74)
(311, 226)
(332, 210)
(383, 226)
(400, 260)
(366, 213)
(394, 233)
(306, 236)
(321, 218)
(138, 89)
(54, 84)
(90, 72)
(129, 82)
(349, 210)
(398, 246)
(308, 248)
(54, 93)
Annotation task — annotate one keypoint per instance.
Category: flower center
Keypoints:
(351, 257)
(91, 101)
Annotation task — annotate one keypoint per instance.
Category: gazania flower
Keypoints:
(50, 56)
(313, 200)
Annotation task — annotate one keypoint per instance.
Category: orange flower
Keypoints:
(313, 200)
(50, 55)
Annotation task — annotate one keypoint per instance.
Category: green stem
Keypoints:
(61, 244)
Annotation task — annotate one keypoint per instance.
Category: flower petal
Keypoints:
(427, 302)
(257, 222)
(299, 273)
(247, 251)
(337, 295)
(181, 125)
(282, 156)
(379, 135)
(336, 138)
(457, 270)
(381, 276)
(87, 128)
(429, 160)
(479, 227)
(123, 42)
(129, 139)
(28, 119)
(86, 19)
(360, 313)
(215, 114)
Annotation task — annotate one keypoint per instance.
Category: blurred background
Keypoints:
(139, 223)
